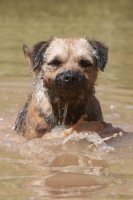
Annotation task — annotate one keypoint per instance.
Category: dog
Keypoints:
(64, 72)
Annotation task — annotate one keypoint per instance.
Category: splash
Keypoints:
(64, 114)
(59, 122)
(90, 139)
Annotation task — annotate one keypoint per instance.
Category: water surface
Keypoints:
(52, 170)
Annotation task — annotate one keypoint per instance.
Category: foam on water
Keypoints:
(56, 139)
(68, 159)
(79, 141)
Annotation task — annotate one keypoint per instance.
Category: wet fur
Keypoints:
(44, 108)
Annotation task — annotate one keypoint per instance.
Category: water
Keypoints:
(71, 168)
(64, 114)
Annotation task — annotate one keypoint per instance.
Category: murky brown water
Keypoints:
(59, 169)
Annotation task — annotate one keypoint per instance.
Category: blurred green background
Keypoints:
(31, 21)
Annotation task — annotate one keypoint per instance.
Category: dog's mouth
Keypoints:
(70, 85)
(68, 95)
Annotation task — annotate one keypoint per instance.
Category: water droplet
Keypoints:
(64, 114)
(59, 113)
(112, 107)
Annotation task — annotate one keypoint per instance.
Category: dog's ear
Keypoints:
(101, 53)
(27, 53)
(34, 55)
(38, 52)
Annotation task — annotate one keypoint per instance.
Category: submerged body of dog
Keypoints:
(63, 72)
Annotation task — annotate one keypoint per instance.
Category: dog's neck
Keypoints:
(55, 111)
(67, 112)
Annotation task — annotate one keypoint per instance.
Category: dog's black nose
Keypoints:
(70, 79)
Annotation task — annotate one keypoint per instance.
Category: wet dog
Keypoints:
(64, 72)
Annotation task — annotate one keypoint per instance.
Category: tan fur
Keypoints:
(69, 51)
(51, 64)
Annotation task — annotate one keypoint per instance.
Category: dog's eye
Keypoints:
(55, 63)
(85, 63)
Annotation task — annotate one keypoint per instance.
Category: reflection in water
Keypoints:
(66, 167)
(72, 168)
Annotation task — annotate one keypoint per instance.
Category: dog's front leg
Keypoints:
(36, 123)
(93, 110)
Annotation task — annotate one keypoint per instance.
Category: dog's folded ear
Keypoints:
(38, 52)
(34, 55)
(27, 52)
(101, 53)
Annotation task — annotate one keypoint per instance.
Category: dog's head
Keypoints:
(69, 66)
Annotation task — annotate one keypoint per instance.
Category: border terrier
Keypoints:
(64, 72)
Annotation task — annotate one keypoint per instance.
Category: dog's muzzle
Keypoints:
(70, 85)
